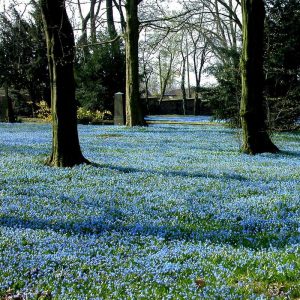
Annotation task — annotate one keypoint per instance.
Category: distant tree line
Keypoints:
(23, 60)
(24, 65)
(39, 55)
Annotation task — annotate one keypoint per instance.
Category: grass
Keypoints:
(162, 209)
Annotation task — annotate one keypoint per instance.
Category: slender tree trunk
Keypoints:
(60, 49)
(183, 92)
(134, 115)
(112, 29)
(118, 5)
(255, 136)
(188, 68)
(93, 16)
(164, 80)
(220, 28)
(83, 39)
(160, 79)
(9, 113)
(196, 99)
(147, 78)
(233, 25)
(198, 75)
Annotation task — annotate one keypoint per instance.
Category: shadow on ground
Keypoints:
(232, 235)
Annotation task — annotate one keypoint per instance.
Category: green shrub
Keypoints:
(85, 116)
(43, 111)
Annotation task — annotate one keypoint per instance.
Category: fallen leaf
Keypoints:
(200, 282)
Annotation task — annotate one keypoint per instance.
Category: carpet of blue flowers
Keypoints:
(165, 212)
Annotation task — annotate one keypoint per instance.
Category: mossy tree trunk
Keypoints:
(252, 112)
(134, 114)
(60, 50)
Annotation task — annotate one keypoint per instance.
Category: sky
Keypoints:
(21, 7)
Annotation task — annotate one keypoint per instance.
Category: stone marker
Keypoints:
(119, 116)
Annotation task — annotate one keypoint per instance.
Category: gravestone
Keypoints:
(119, 112)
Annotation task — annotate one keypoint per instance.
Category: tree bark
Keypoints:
(118, 5)
(112, 29)
(93, 16)
(198, 70)
(60, 50)
(182, 86)
(164, 80)
(83, 39)
(188, 68)
(134, 115)
(255, 135)
(8, 111)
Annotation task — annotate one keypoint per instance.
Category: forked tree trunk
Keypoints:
(255, 135)
(164, 80)
(60, 49)
(134, 115)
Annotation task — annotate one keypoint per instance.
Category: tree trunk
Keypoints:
(9, 110)
(198, 75)
(196, 101)
(183, 92)
(60, 49)
(93, 16)
(83, 39)
(147, 94)
(255, 136)
(112, 29)
(160, 80)
(164, 80)
(134, 115)
(188, 68)
(119, 7)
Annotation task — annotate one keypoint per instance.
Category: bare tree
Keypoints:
(165, 63)
(184, 58)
